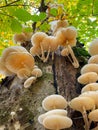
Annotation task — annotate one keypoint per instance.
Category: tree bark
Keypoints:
(59, 76)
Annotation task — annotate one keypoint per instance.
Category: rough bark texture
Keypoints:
(59, 76)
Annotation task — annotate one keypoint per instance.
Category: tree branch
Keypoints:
(9, 4)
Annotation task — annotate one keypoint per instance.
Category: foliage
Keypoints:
(15, 14)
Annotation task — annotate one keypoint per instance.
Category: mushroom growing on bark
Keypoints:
(54, 102)
(52, 112)
(90, 87)
(89, 77)
(93, 116)
(17, 60)
(57, 122)
(93, 59)
(89, 68)
(82, 104)
(93, 47)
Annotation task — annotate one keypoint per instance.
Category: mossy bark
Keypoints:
(59, 76)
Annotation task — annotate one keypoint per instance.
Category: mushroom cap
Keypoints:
(52, 112)
(60, 24)
(35, 50)
(93, 47)
(4, 70)
(21, 60)
(93, 115)
(37, 72)
(89, 77)
(91, 94)
(23, 73)
(54, 122)
(90, 87)
(89, 68)
(9, 50)
(37, 38)
(79, 103)
(29, 81)
(93, 59)
(54, 102)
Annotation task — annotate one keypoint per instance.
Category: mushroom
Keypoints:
(93, 95)
(90, 87)
(89, 68)
(93, 47)
(59, 24)
(29, 81)
(22, 37)
(93, 59)
(89, 77)
(25, 60)
(57, 122)
(93, 116)
(37, 72)
(82, 104)
(54, 102)
(52, 112)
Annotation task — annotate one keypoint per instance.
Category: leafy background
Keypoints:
(14, 14)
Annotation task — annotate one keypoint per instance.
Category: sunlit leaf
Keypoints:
(16, 26)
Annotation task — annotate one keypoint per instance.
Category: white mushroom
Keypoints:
(54, 102)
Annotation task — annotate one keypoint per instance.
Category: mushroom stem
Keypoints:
(75, 62)
(84, 114)
(52, 55)
(47, 55)
(43, 56)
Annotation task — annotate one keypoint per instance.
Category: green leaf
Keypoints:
(22, 15)
(16, 26)
(54, 12)
(42, 16)
(35, 18)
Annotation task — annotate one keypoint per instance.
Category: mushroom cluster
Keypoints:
(89, 77)
(16, 60)
(56, 117)
(63, 35)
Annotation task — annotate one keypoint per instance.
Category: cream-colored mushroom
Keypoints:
(93, 95)
(52, 112)
(93, 47)
(89, 77)
(93, 116)
(90, 87)
(21, 60)
(57, 122)
(54, 102)
(59, 24)
(29, 81)
(37, 72)
(89, 68)
(82, 104)
(93, 59)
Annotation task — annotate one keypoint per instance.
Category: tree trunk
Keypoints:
(59, 76)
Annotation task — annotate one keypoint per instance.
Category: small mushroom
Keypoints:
(89, 77)
(82, 104)
(93, 59)
(54, 102)
(93, 47)
(37, 72)
(52, 112)
(89, 68)
(93, 116)
(29, 81)
(57, 122)
(90, 87)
